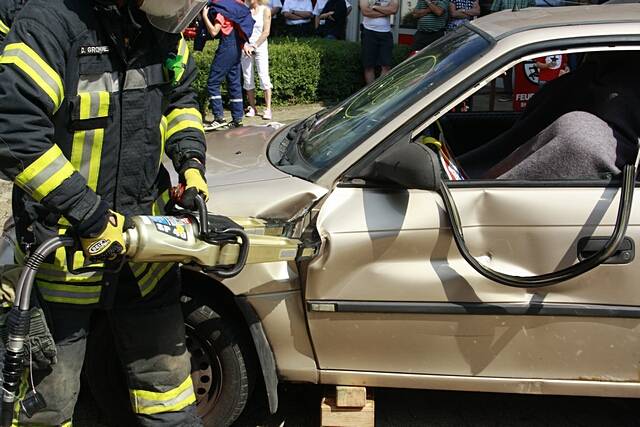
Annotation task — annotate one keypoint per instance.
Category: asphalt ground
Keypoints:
(300, 407)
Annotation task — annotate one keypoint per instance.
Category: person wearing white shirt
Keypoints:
(276, 7)
(256, 57)
(298, 14)
(376, 36)
(330, 18)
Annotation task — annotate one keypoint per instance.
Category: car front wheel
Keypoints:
(220, 364)
(220, 368)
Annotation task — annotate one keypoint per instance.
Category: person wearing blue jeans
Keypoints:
(225, 65)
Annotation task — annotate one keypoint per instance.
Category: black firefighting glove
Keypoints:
(192, 176)
(102, 234)
(41, 348)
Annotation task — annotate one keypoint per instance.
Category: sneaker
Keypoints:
(266, 115)
(251, 112)
(234, 124)
(214, 124)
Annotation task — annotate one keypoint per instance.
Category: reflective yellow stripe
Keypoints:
(138, 269)
(69, 294)
(151, 402)
(30, 63)
(163, 137)
(149, 274)
(177, 112)
(96, 154)
(85, 105)
(76, 149)
(15, 424)
(45, 174)
(150, 280)
(86, 151)
(160, 203)
(184, 125)
(103, 109)
(4, 28)
(22, 392)
(183, 118)
(93, 105)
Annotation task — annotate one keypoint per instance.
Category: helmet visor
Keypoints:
(177, 18)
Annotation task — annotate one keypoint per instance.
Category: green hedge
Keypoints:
(304, 70)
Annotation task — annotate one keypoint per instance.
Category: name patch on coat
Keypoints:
(93, 50)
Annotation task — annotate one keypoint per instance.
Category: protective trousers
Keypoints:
(226, 64)
(150, 342)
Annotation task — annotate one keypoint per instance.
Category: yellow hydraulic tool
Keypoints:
(219, 245)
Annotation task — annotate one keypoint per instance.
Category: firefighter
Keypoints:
(92, 94)
(8, 11)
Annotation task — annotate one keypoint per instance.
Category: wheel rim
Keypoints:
(206, 371)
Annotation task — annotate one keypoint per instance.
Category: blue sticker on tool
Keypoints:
(171, 226)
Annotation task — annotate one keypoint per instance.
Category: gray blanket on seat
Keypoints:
(577, 145)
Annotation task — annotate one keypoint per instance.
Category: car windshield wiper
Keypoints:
(295, 138)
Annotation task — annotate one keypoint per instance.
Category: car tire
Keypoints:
(221, 368)
(221, 364)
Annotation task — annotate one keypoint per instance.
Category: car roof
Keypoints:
(507, 22)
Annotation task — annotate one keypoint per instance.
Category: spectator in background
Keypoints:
(461, 11)
(376, 36)
(226, 63)
(277, 21)
(331, 18)
(276, 7)
(432, 19)
(499, 5)
(256, 54)
(298, 14)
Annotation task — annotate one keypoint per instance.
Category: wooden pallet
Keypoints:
(347, 406)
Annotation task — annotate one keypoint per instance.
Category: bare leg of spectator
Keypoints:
(384, 70)
(251, 97)
(370, 75)
(267, 98)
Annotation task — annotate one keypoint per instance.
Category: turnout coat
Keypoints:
(91, 98)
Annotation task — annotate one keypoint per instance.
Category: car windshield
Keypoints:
(339, 130)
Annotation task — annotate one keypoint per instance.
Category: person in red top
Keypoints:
(230, 20)
(551, 67)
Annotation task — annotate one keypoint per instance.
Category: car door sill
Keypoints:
(477, 308)
(604, 387)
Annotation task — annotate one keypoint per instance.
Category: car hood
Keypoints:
(243, 182)
(239, 156)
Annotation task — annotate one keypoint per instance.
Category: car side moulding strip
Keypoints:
(477, 308)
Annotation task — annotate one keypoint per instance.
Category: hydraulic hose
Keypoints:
(539, 281)
(18, 323)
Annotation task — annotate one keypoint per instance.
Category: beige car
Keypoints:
(390, 299)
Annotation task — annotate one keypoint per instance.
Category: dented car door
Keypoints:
(392, 294)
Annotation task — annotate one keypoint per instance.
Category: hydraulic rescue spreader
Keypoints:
(216, 244)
